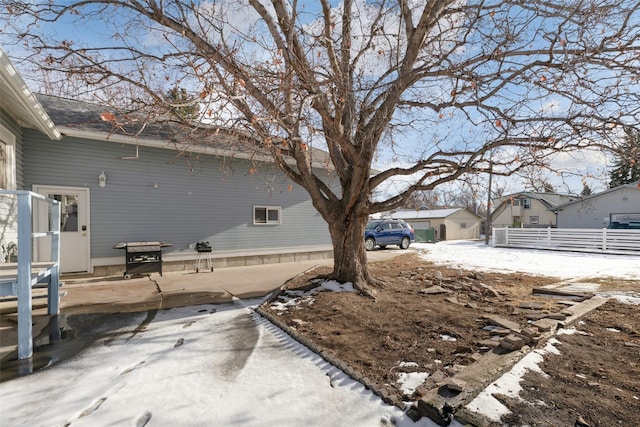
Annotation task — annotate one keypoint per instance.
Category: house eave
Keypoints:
(22, 102)
(163, 144)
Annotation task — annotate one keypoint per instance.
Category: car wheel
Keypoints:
(369, 243)
(404, 243)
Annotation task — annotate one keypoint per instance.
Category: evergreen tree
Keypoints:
(181, 105)
(627, 166)
(586, 190)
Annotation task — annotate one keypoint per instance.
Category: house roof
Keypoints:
(550, 200)
(57, 117)
(94, 121)
(633, 186)
(99, 122)
(20, 103)
(425, 213)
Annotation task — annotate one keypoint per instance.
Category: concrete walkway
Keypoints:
(173, 289)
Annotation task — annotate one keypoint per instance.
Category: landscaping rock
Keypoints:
(503, 332)
(455, 384)
(530, 332)
(453, 300)
(546, 325)
(508, 324)
(489, 290)
(536, 316)
(512, 342)
(414, 414)
(428, 409)
(531, 306)
(557, 316)
(488, 344)
(435, 290)
(477, 275)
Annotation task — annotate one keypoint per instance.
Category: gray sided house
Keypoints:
(448, 224)
(19, 109)
(118, 188)
(620, 204)
(528, 209)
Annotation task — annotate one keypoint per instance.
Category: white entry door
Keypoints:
(74, 226)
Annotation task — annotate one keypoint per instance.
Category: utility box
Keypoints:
(425, 236)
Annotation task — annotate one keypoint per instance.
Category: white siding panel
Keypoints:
(8, 204)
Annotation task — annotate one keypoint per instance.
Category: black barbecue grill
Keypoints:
(142, 257)
(204, 251)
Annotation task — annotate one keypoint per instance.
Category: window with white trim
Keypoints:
(534, 220)
(7, 159)
(267, 215)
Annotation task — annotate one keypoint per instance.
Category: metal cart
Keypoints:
(142, 257)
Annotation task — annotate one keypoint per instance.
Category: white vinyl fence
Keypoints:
(570, 239)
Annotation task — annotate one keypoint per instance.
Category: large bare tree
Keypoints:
(420, 92)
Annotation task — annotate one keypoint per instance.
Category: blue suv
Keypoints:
(383, 232)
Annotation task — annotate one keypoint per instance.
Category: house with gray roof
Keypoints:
(528, 209)
(448, 224)
(121, 179)
(619, 205)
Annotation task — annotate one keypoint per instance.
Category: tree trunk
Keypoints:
(349, 253)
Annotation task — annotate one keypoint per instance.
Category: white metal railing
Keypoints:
(614, 241)
(19, 281)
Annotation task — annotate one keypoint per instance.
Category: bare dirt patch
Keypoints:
(594, 380)
(436, 320)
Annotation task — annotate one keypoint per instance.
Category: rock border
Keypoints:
(449, 398)
(328, 356)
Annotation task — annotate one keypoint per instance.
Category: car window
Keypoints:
(624, 225)
(397, 226)
(372, 224)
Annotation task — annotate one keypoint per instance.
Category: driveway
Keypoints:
(204, 365)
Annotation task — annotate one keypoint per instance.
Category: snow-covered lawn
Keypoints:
(564, 265)
(225, 366)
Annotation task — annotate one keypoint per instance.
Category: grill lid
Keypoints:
(141, 246)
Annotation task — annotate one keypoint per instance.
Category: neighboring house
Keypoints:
(116, 188)
(619, 204)
(527, 209)
(449, 224)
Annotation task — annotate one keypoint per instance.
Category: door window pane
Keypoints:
(68, 211)
(7, 166)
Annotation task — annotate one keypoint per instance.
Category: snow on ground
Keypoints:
(564, 265)
(509, 384)
(196, 366)
(293, 298)
(225, 366)
(409, 381)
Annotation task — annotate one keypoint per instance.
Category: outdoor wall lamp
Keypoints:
(102, 180)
